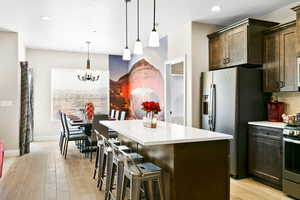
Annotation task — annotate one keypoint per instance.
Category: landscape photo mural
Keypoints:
(141, 79)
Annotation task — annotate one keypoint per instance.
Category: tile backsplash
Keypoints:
(291, 100)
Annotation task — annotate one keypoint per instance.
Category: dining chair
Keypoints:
(73, 130)
(72, 137)
(123, 115)
(1, 157)
(112, 113)
(117, 114)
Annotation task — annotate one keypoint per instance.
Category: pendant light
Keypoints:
(126, 53)
(154, 37)
(88, 74)
(138, 47)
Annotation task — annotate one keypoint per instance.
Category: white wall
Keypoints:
(191, 41)
(199, 64)
(9, 90)
(281, 15)
(42, 61)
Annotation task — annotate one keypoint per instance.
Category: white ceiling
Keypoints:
(73, 21)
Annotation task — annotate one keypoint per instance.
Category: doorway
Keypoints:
(175, 91)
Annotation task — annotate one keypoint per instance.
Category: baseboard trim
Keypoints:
(12, 153)
(45, 138)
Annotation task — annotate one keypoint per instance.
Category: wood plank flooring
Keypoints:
(45, 175)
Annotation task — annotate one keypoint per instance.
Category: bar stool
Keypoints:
(102, 156)
(135, 174)
(115, 165)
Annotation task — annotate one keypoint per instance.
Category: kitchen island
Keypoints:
(195, 162)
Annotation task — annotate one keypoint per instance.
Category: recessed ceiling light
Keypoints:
(45, 18)
(216, 8)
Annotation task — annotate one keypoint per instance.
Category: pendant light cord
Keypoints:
(88, 50)
(154, 22)
(126, 25)
(138, 20)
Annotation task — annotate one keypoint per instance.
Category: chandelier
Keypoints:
(88, 74)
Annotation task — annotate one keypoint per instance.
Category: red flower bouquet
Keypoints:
(151, 106)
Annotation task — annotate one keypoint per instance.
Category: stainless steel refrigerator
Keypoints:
(230, 98)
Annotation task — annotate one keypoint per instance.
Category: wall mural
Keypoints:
(139, 80)
(118, 83)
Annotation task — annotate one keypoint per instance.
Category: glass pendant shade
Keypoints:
(154, 39)
(138, 48)
(126, 54)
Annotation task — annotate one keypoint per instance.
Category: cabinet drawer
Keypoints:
(274, 133)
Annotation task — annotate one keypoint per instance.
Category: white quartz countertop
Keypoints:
(268, 124)
(165, 133)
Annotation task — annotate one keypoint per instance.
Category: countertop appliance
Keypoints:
(230, 99)
(275, 110)
(291, 161)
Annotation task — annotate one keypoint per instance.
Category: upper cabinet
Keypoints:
(280, 69)
(297, 10)
(238, 44)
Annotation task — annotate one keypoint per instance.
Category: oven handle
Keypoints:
(291, 141)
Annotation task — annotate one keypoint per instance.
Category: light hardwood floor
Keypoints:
(45, 175)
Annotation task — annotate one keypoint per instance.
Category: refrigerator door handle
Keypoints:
(210, 108)
(214, 94)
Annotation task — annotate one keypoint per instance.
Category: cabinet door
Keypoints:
(265, 155)
(271, 63)
(236, 43)
(216, 52)
(288, 66)
(298, 34)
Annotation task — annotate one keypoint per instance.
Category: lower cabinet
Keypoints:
(265, 155)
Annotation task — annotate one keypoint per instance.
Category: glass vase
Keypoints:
(150, 120)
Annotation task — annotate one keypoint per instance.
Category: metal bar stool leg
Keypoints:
(96, 163)
(160, 187)
(135, 188)
(109, 174)
(150, 192)
(102, 166)
(120, 180)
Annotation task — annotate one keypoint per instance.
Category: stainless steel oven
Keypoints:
(291, 161)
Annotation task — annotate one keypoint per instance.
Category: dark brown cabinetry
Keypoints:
(280, 69)
(265, 155)
(297, 10)
(216, 49)
(238, 44)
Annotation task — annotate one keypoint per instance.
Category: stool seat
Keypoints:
(148, 167)
(80, 136)
(136, 157)
(112, 134)
(124, 148)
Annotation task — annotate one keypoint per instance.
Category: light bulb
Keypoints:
(154, 39)
(126, 54)
(138, 48)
